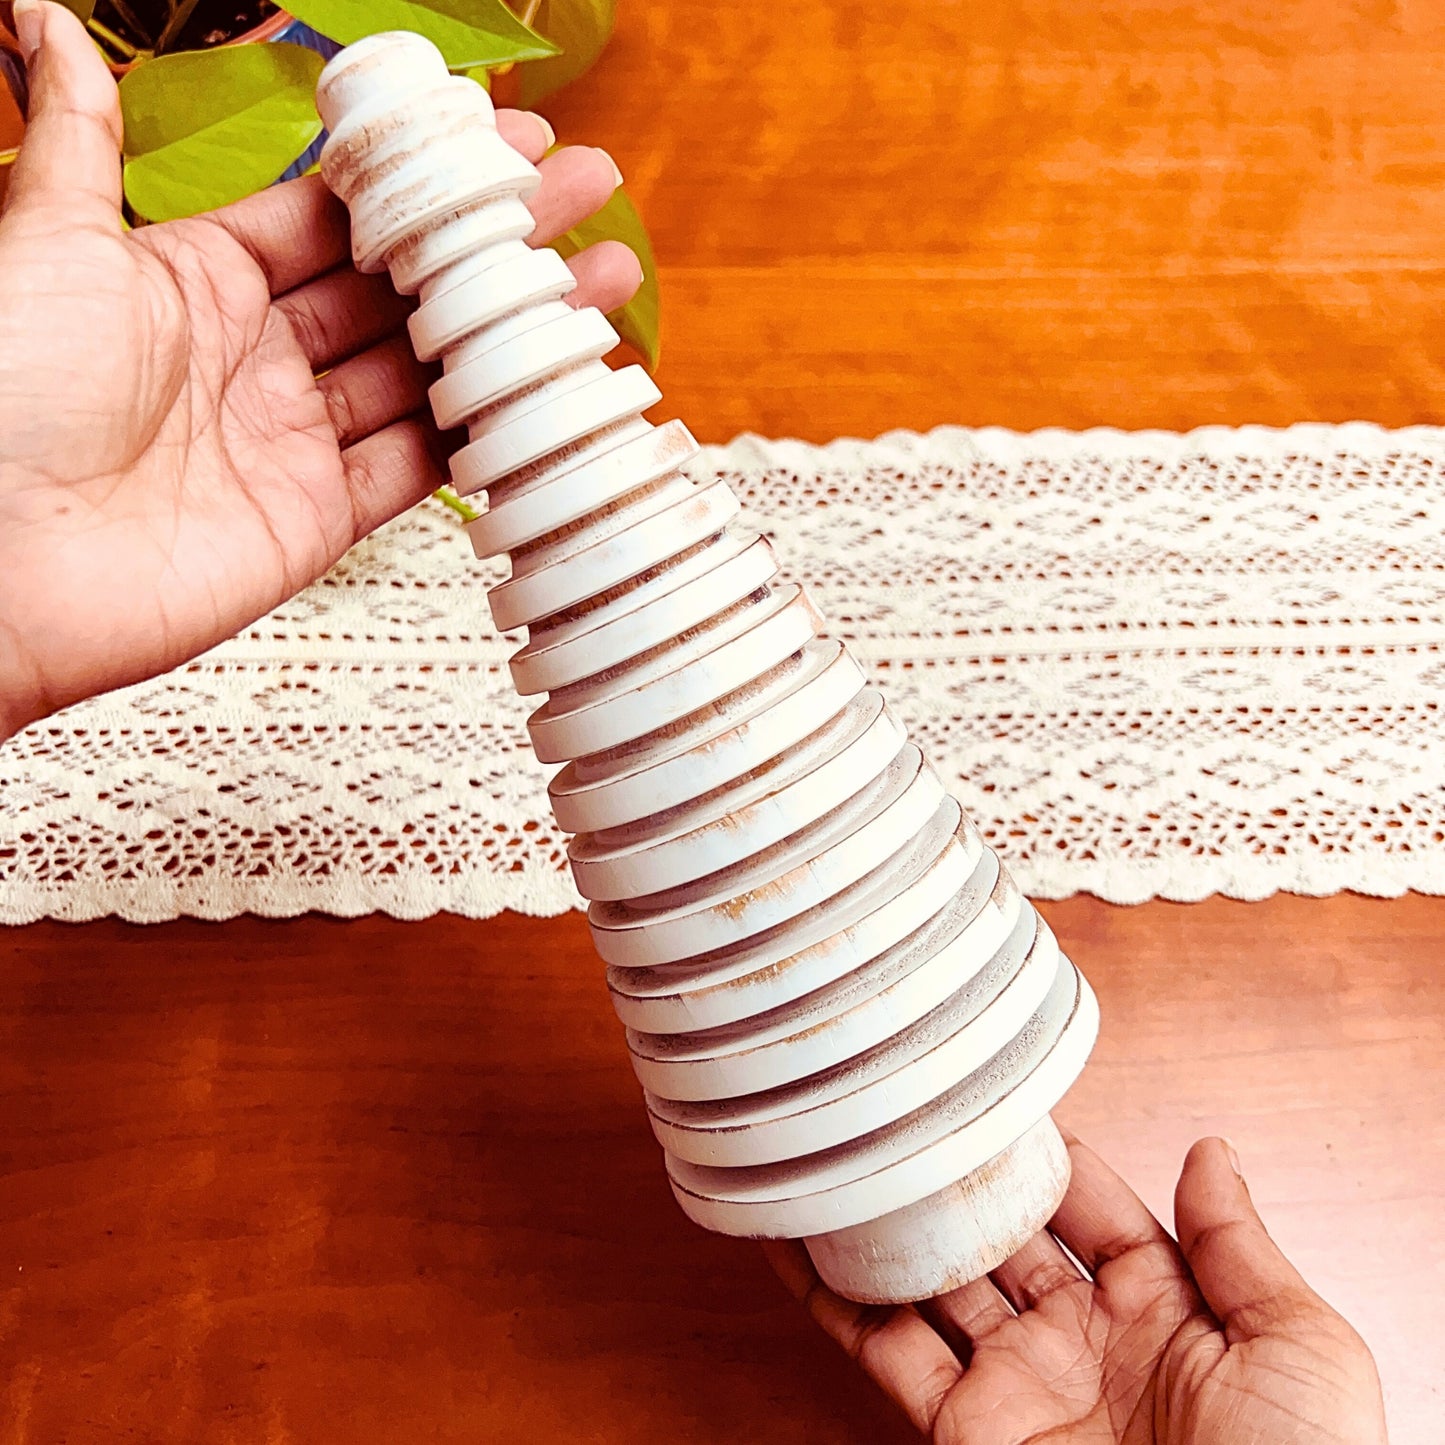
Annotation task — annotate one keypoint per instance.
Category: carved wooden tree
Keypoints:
(849, 1025)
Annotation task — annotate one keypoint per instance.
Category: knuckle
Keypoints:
(362, 480)
(341, 411)
(310, 330)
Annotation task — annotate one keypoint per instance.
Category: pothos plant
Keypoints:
(218, 103)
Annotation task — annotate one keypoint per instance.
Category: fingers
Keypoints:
(1027, 1278)
(70, 156)
(893, 1345)
(608, 275)
(375, 389)
(342, 313)
(391, 470)
(1244, 1278)
(967, 1316)
(299, 230)
(576, 183)
(353, 325)
(527, 133)
(294, 232)
(1101, 1218)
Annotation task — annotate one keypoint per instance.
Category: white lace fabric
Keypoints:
(1148, 664)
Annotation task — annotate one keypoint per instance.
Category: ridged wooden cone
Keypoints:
(849, 1025)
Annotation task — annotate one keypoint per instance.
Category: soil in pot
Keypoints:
(212, 22)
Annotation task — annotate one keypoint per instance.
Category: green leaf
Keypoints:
(81, 9)
(467, 32)
(206, 127)
(582, 28)
(637, 322)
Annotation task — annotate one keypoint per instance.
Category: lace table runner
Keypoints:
(1148, 665)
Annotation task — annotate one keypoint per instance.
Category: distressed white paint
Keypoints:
(958, 1234)
(849, 1025)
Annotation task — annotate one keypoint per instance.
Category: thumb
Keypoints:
(1242, 1274)
(70, 156)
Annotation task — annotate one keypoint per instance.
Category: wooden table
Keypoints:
(321, 1182)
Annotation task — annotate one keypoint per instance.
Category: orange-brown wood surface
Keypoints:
(323, 1182)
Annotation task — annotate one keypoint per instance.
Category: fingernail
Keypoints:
(616, 171)
(546, 129)
(1233, 1156)
(29, 21)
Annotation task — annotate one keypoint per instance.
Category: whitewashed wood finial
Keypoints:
(849, 1025)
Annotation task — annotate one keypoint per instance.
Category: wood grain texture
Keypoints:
(1035, 213)
(322, 1181)
(326, 1182)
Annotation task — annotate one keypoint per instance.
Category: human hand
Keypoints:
(1216, 1340)
(170, 466)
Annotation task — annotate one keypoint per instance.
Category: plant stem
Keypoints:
(108, 36)
(528, 17)
(132, 20)
(176, 23)
(7, 158)
(450, 499)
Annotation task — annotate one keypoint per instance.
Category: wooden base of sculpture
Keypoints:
(849, 1025)
(956, 1235)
